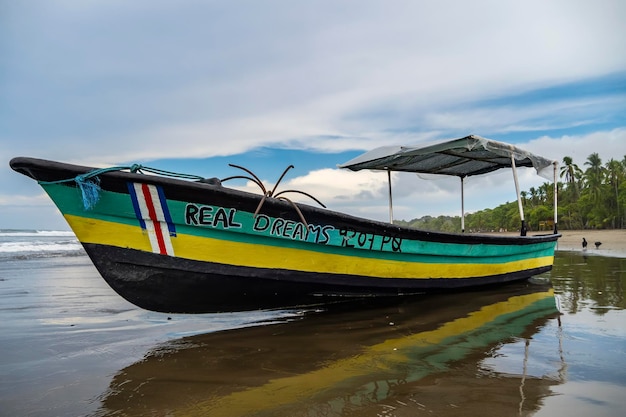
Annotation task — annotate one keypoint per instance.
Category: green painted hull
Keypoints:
(180, 246)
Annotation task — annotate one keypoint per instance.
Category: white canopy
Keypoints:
(471, 155)
(464, 157)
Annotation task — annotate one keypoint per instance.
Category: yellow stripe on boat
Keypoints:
(265, 256)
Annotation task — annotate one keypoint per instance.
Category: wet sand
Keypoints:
(64, 333)
(72, 347)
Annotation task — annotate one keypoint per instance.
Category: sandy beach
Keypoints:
(613, 242)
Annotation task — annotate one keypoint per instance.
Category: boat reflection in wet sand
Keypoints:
(420, 354)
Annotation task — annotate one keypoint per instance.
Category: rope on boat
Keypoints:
(89, 183)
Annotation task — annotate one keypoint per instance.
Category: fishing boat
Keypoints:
(181, 243)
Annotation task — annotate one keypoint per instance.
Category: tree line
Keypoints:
(591, 197)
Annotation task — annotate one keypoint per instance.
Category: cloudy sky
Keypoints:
(192, 85)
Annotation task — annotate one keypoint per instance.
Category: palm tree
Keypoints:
(615, 176)
(571, 172)
(543, 193)
(595, 163)
(594, 176)
(533, 196)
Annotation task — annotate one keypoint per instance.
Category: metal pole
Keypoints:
(555, 165)
(519, 197)
(462, 205)
(390, 198)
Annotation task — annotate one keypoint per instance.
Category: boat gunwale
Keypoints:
(59, 171)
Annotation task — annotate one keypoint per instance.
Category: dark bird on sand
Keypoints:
(597, 244)
(584, 243)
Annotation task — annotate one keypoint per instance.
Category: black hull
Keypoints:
(173, 285)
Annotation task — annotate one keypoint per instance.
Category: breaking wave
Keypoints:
(27, 244)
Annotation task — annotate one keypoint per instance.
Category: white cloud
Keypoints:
(331, 185)
(41, 199)
(608, 144)
(222, 79)
(110, 82)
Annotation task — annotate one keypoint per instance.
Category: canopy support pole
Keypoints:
(462, 205)
(390, 198)
(523, 230)
(555, 166)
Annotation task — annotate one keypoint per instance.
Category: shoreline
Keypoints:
(613, 241)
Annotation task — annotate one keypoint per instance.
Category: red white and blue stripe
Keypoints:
(153, 215)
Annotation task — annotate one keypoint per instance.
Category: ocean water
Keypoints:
(29, 244)
(70, 346)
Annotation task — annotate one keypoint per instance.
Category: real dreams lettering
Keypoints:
(228, 218)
